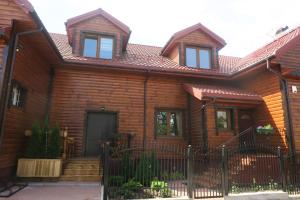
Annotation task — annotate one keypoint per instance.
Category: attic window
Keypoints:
(198, 57)
(98, 46)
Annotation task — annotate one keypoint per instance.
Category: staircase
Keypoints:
(82, 169)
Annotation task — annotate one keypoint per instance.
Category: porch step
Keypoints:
(81, 178)
(82, 169)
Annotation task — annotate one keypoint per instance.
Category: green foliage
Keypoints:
(273, 185)
(235, 188)
(44, 141)
(34, 148)
(161, 188)
(127, 166)
(54, 143)
(116, 181)
(129, 189)
(147, 168)
(172, 175)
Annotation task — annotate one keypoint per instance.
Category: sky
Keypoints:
(245, 25)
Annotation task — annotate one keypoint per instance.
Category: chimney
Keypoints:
(281, 30)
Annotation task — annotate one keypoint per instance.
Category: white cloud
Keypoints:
(245, 25)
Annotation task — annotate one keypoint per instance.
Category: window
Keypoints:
(198, 57)
(168, 123)
(18, 95)
(98, 46)
(224, 117)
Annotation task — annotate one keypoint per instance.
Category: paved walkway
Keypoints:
(58, 191)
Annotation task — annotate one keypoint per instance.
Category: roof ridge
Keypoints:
(145, 45)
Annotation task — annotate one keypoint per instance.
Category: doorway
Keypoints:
(247, 138)
(101, 126)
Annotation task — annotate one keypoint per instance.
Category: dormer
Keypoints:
(195, 47)
(97, 34)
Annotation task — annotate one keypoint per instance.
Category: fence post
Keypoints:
(190, 172)
(281, 168)
(224, 170)
(106, 166)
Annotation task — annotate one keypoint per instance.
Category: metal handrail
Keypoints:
(237, 136)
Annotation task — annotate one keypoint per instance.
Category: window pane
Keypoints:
(90, 47)
(222, 120)
(204, 58)
(191, 57)
(106, 48)
(161, 123)
(175, 123)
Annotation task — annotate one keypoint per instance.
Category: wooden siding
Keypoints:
(8, 11)
(295, 110)
(291, 57)
(271, 111)
(76, 91)
(33, 73)
(198, 38)
(96, 25)
(196, 122)
(174, 55)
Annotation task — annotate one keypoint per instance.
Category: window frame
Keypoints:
(97, 36)
(21, 103)
(169, 110)
(229, 112)
(198, 48)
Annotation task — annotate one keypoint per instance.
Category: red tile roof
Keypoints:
(270, 49)
(203, 92)
(139, 56)
(148, 57)
(189, 30)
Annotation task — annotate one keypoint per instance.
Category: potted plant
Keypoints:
(265, 130)
(42, 153)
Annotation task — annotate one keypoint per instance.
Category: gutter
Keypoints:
(286, 102)
(10, 67)
(145, 108)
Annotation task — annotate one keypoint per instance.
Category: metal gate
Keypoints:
(207, 173)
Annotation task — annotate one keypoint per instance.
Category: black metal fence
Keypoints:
(169, 171)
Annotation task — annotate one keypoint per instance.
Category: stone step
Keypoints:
(83, 178)
(82, 172)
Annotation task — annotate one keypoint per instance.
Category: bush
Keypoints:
(44, 141)
(127, 166)
(129, 189)
(161, 188)
(115, 181)
(147, 169)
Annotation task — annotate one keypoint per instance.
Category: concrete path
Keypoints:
(58, 191)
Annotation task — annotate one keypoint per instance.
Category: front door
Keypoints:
(245, 122)
(101, 126)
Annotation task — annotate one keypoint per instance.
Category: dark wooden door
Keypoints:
(101, 126)
(245, 122)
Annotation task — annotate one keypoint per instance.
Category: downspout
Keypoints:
(145, 108)
(11, 62)
(286, 101)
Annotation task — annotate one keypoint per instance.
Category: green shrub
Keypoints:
(54, 143)
(129, 189)
(34, 148)
(44, 141)
(116, 181)
(147, 169)
(127, 166)
(161, 188)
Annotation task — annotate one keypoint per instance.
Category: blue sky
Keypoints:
(244, 24)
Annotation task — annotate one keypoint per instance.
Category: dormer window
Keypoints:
(98, 46)
(198, 57)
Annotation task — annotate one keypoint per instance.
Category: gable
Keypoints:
(198, 38)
